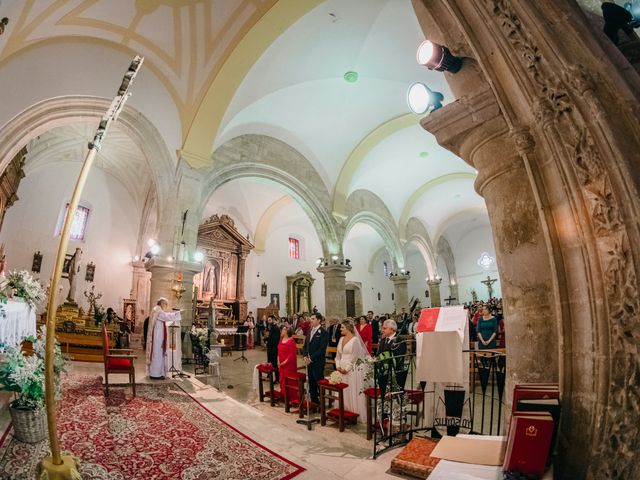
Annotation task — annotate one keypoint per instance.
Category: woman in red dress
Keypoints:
(287, 353)
(365, 331)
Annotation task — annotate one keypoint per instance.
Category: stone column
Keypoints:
(335, 296)
(453, 289)
(140, 290)
(434, 292)
(400, 291)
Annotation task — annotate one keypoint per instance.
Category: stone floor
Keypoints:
(325, 452)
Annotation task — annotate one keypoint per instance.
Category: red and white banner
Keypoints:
(443, 319)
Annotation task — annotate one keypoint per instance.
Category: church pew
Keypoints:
(81, 348)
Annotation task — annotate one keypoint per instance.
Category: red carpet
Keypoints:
(161, 434)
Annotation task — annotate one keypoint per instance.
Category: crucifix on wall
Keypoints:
(489, 283)
(450, 300)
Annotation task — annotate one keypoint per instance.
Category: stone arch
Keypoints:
(416, 233)
(547, 114)
(444, 251)
(366, 207)
(262, 229)
(267, 158)
(65, 110)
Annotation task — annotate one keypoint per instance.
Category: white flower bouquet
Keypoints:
(335, 377)
(21, 284)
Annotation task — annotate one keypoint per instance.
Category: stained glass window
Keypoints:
(385, 267)
(294, 248)
(79, 225)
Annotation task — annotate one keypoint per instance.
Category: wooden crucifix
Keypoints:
(449, 300)
(489, 283)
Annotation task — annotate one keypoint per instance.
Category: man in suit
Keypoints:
(272, 344)
(403, 322)
(314, 352)
(375, 327)
(334, 334)
(391, 346)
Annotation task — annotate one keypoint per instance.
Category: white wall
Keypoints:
(275, 264)
(467, 251)
(112, 232)
(418, 271)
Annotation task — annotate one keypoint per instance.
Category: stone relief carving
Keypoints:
(555, 110)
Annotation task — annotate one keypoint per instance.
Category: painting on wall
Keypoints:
(37, 262)
(91, 270)
(275, 299)
(129, 312)
(65, 266)
(263, 290)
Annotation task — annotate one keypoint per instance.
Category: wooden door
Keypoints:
(351, 303)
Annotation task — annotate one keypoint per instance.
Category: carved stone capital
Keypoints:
(523, 140)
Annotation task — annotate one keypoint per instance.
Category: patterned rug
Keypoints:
(161, 434)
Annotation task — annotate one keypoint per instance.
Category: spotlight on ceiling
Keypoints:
(437, 57)
(155, 249)
(422, 99)
(198, 256)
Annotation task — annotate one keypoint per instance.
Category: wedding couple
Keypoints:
(352, 348)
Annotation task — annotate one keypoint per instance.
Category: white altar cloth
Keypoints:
(18, 323)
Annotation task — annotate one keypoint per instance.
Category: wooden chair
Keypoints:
(294, 393)
(328, 394)
(119, 361)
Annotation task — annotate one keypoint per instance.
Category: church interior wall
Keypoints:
(467, 250)
(59, 59)
(275, 264)
(111, 236)
(379, 283)
(443, 273)
(417, 268)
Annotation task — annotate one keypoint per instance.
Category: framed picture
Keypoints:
(263, 290)
(91, 270)
(65, 266)
(129, 312)
(37, 262)
(275, 299)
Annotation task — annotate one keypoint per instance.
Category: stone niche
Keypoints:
(299, 293)
(225, 250)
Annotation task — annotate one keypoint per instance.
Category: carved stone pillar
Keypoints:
(454, 293)
(335, 295)
(140, 291)
(400, 291)
(434, 292)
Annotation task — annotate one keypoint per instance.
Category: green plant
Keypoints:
(24, 374)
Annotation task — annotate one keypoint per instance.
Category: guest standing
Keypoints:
(260, 328)
(334, 334)
(315, 351)
(273, 340)
(287, 362)
(375, 327)
(487, 329)
(391, 347)
(364, 329)
(250, 327)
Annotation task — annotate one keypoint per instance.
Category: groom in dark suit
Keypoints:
(391, 346)
(314, 352)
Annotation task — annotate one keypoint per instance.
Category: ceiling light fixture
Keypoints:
(437, 57)
(351, 76)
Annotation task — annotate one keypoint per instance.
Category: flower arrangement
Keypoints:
(24, 374)
(21, 284)
(202, 334)
(335, 377)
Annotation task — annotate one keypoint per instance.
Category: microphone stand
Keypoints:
(307, 421)
(174, 371)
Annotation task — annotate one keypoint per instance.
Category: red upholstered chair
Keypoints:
(118, 361)
(370, 394)
(416, 397)
(266, 373)
(328, 392)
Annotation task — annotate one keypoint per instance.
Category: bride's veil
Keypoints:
(360, 348)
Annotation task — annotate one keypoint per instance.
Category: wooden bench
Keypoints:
(82, 348)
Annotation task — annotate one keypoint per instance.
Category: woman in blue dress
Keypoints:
(487, 329)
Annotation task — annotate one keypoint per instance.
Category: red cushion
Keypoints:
(119, 363)
(415, 396)
(369, 392)
(347, 414)
(265, 367)
(336, 386)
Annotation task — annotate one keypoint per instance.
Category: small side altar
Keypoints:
(17, 323)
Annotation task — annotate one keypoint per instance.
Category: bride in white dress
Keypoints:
(350, 349)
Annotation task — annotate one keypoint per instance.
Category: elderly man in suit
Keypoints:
(314, 352)
(392, 347)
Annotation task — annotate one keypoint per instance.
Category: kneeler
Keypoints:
(328, 392)
(294, 393)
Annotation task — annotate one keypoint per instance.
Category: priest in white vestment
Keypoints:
(160, 346)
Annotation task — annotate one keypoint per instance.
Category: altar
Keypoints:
(17, 323)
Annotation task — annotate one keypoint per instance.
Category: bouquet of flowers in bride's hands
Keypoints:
(335, 377)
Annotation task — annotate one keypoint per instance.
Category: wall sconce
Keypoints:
(177, 287)
(348, 262)
(438, 57)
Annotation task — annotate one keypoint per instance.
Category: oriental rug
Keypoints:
(163, 433)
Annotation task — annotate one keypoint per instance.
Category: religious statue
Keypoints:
(92, 298)
(489, 283)
(303, 298)
(3, 261)
(74, 270)
(210, 284)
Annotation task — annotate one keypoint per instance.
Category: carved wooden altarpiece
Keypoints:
(299, 293)
(225, 252)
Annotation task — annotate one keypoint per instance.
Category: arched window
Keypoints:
(385, 268)
(80, 221)
(294, 248)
